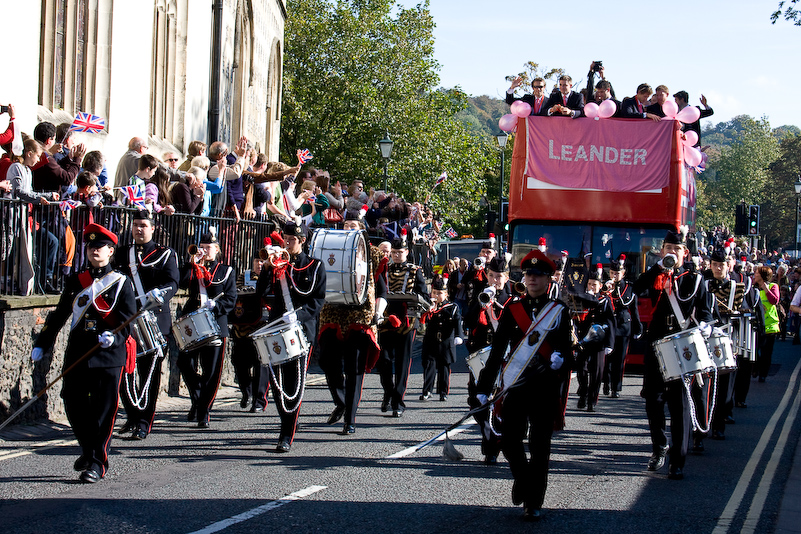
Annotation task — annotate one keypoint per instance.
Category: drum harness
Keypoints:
(140, 401)
(687, 379)
(283, 398)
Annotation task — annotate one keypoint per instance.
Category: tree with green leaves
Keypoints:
(531, 70)
(355, 69)
(778, 209)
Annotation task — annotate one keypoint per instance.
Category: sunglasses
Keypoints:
(172, 159)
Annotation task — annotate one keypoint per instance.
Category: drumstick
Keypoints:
(68, 369)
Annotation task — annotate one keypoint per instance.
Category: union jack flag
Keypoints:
(304, 156)
(442, 178)
(86, 122)
(68, 204)
(450, 233)
(134, 195)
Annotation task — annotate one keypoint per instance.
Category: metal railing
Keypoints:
(41, 245)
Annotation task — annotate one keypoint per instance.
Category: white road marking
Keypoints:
(725, 520)
(459, 429)
(272, 505)
(38, 447)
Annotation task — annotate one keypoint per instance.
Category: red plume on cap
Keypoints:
(541, 245)
(445, 276)
(276, 238)
(404, 232)
(622, 257)
(267, 241)
(491, 235)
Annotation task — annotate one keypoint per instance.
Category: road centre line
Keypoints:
(272, 505)
(727, 516)
(52, 444)
(461, 428)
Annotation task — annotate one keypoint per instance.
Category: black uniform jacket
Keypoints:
(223, 282)
(444, 325)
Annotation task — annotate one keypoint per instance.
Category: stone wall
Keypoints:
(21, 320)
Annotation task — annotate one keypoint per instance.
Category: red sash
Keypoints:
(109, 317)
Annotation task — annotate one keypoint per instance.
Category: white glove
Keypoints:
(106, 339)
(378, 319)
(607, 351)
(556, 361)
(481, 398)
(706, 330)
(210, 304)
(458, 341)
(155, 296)
(37, 354)
(718, 332)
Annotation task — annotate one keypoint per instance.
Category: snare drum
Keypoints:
(721, 351)
(145, 330)
(477, 360)
(344, 254)
(277, 344)
(195, 330)
(682, 353)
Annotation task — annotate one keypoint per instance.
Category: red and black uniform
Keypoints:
(627, 324)
(591, 356)
(217, 279)
(91, 388)
(444, 325)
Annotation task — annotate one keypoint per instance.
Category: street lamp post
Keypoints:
(386, 145)
(502, 138)
(797, 195)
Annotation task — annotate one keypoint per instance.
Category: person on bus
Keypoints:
(634, 107)
(603, 91)
(537, 99)
(675, 294)
(661, 95)
(566, 102)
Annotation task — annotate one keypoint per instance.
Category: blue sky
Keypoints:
(727, 50)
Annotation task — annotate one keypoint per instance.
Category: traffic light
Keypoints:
(753, 220)
(741, 219)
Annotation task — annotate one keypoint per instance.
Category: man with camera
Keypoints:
(676, 294)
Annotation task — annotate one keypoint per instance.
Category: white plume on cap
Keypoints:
(684, 230)
(213, 231)
(297, 220)
(508, 257)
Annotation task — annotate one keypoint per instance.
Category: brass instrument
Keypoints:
(274, 256)
(520, 288)
(196, 253)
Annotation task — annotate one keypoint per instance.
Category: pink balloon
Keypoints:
(690, 138)
(607, 109)
(591, 109)
(692, 156)
(670, 109)
(508, 122)
(521, 109)
(689, 114)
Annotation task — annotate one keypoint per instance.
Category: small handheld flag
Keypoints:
(304, 156)
(86, 122)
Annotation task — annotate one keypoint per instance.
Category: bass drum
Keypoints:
(344, 254)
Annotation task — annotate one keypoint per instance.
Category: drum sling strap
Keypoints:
(532, 341)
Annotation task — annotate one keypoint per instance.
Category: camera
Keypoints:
(486, 296)
(3, 109)
(597, 66)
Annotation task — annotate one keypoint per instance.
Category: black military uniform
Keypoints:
(533, 403)
(591, 357)
(349, 343)
(157, 268)
(248, 316)
(753, 304)
(692, 298)
(481, 322)
(218, 280)
(627, 324)
(305, 278)
(100, 300)
(443, 333)
(396, 341)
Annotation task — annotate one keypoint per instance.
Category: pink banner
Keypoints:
(606, 154)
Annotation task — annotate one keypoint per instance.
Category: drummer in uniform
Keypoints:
(301, 279)
(592, 355)
(751, 304)
(533, 404)
(349, 337)
(665, 281)
(248, 316)
(443, 334)
(397, 332)
(627, 324)
(154, 272)
(100, 301)
(212, 286)
(728, 296)
(481, 323)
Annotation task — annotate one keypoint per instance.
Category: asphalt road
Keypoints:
(229, 479)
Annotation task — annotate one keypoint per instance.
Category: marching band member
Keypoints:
(397, 335)
(753, 304)
(211, 285)
(675, 294)
(627, 324)
(475, 279)
(348, 337)
(443, 334)
(154, 272)
(100, 300)
(592, 355)
(248, 316)
(538, 330)
(728, 300)
(294, 284)
(481, 321)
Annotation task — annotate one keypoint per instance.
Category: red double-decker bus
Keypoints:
(598, 189)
